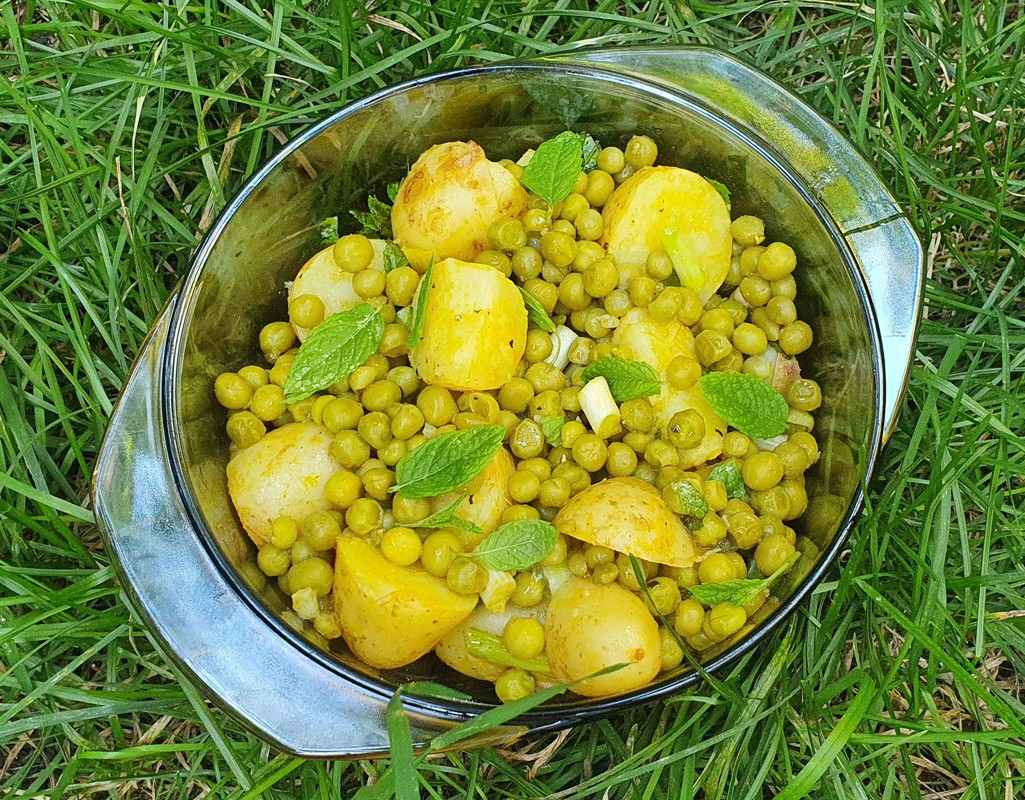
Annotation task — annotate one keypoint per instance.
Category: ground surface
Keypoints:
(123, 128)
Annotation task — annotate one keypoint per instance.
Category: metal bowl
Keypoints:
(159, 488)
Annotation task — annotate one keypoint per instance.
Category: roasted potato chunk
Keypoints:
(449, 199)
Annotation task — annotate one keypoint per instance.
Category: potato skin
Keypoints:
(391, 615)
(321, 276)
(450, 197)
(590, 627)
(475, 328)
(641, 338)
(630, 516)
(282, 474)
(655, 199)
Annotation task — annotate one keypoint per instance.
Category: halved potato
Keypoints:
(475, 328)
(391, 615)
(659, 202)
(321, 276)
(590, 627)
(282, 474)
(449, 199)
(641, 338)
(628, 515)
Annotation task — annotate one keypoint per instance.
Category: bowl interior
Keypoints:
(238, 284)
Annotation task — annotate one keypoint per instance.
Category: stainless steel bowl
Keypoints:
(159, 488)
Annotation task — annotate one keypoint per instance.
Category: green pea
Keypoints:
(377, 482)
(785, 287)
(401, 546)
(363, 516)
(406, 510)
(781, 310)
(306, 310)
(745, 529)
(559, 248)
(755, 290)
(312, 573)
(233, 391)
(576, 476)
(718, 320)
(400, 285)
(689, 617)
(320, 529)
(777, 262)
(750, 339)
(284, 530)
(589, 225)
(275, 339)
(587, 254)
(596, 554)
(725, 619)
(762, 470)
(600, 186)
(621, 460)
(660, 453)
(507, 233)
(554, 492)
(590, 452)
(496, 259)
(341, 413)
(349, 449)
(526, 263)
(343, 489)
(406, 422)
(514, 684)
(524, 637)
(611, 159)
(437, 405)
(353, 252)
(527, 439)
(659, 265)
(638, 415)
(546, 404)
(666, 306)
(379, 395)
(641, 151)
(712, 531)
(255, 376)
(572, 292)
(642, 290)
(748, 231)
(663, 596)
(804, 395)
(617, 302)
(686, 429)
(683, 372)
(538, 346)
(710, 346)
(523, 486)
(691, 308)
(716, 568)
(245, 428)
(529, 591)
(272, 560)
(572, 206)
(545, 293)
(465, 576)
(269, 402)
(600, 278)
(795, 338)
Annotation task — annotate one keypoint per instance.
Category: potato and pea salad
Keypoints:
(542, 419)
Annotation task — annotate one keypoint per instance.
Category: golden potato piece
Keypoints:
(391, 615)
(475, 328)
(450, 197)
(641, 338)
(282, 474)
(628, 515)
(487, 498)
(321, 276)
(659, 202)
(452, 647)
(590, 627)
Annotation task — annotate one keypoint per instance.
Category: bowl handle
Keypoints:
(845, 184)
(202, 625)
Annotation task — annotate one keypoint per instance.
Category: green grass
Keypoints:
(124, 126)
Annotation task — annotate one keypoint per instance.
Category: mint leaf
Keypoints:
(551, 427)
(447, 461)
(590, 152)
(393, 190)
(692, 502)
(328, 230)
(376, 220)
(627, 379)
(394, 257)
(747, 403)
(519, 544)
(728, 473)
(446, 518)
(400, 744)
(488, 646)
(416, 330)
(722, 190)
(333, 350)
(555, 167)
(536, 312)
(739, 591)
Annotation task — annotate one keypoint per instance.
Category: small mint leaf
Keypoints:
(551, 427)
(394, 257)
(555, 167)
(692, 502)
(747, 403)
(333, 350)
(446, 518)
(590, 152)
(627, 379)
(376, 220)
(722, 190)
(328, 230)
(536, 312)
(728, 473)
(739, 591)
(447, 461)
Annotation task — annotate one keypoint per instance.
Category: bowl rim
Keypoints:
(554, 715)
